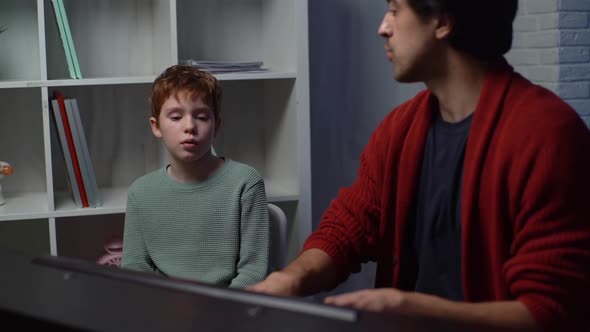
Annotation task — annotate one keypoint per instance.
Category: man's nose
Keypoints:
(384, 28)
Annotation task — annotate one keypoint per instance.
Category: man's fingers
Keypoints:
(348, 299)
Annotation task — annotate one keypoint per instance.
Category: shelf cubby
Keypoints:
(112, 38)
(20, 60)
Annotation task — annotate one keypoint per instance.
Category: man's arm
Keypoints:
(311, 272)
(314, 271)
(348, 233)
(482, 316)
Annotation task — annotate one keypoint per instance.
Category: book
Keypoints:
(73, 54)
(83, 153)
(63, 38)
(86, 154)
(66, 39)
(66, 153)
(71, 148)
(224, 64)
(219, 67)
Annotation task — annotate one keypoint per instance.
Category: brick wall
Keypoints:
(552, 48)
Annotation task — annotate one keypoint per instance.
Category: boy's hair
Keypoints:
(197, 83)
(482, 28)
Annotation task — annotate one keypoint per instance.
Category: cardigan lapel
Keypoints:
(485, 120)
(409, 162)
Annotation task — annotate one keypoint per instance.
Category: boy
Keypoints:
(201, 217)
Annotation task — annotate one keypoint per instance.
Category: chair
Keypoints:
(278, 237)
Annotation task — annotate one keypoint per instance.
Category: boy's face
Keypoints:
(410, 42)
(187, 127)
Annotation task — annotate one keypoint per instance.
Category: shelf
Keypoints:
(34, 205)
(82, 82)
(268, 75)
(19, 84)
(24, 206)
(99, 81)
(114, 201)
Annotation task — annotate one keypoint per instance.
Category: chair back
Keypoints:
(278, 237)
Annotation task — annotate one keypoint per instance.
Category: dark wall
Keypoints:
(351, 90)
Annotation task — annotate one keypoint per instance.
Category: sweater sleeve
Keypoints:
(550, 264)
(135, 254)
(252, 266)
(349, 229)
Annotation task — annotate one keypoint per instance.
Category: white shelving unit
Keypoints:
(122, 45)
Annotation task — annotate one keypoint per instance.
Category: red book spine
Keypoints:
(76, 164)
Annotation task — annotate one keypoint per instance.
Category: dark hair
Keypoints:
(482, 28)
(195, 82)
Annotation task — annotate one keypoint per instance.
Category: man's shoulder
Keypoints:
(524, 92)
(529, 101)
(533, 116)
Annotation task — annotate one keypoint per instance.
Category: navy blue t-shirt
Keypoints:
(437, 223)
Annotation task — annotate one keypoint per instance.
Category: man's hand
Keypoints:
(481, 316)
(311, 272)
(378, 300)
(277, 283)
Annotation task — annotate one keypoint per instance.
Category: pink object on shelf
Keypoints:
(114, 253)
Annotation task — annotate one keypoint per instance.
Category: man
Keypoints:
(471, 196)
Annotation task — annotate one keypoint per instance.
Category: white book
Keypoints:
(66, 153)
(223, 64)
(84, 161)
(92, 183)
(218, 67)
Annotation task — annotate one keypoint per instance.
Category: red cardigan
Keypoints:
(525, 207)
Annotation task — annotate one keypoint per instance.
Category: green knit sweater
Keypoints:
(214, 231)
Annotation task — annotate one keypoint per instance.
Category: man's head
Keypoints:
(186, 79)
(418, 32)
(482, 28)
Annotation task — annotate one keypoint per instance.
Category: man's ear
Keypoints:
(155, 127)
(444, 26)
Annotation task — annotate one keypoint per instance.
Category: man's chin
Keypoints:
(405, 77)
